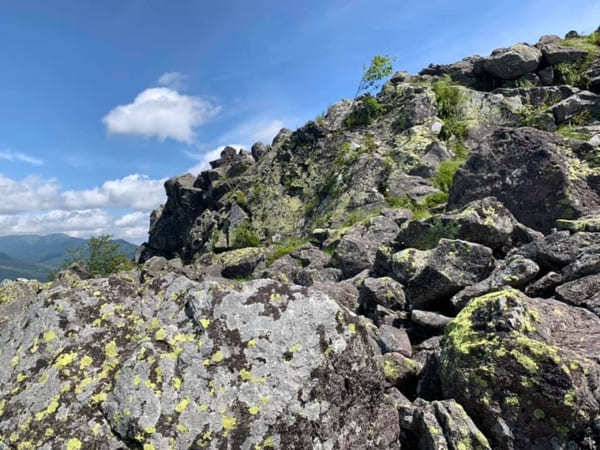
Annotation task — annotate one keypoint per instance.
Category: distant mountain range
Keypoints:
(34, 256)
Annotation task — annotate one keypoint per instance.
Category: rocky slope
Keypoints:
(417, 270)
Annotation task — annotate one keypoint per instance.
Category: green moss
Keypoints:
(364, 113)
(244, 236)
(284, 248)
(449, 99)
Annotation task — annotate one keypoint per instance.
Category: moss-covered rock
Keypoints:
(524, 368)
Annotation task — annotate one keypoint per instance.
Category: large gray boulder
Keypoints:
(512, 63)
(172, 363)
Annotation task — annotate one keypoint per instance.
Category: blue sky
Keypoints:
(79, 153)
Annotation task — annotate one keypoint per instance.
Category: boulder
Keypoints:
(384, 291)
(531, 172)
(435, 154)
(559, 249)
(587, 263)
(557, 54)
(544, 287)
(516, 271)
(512, 63)
(583, 292)
(526, 368)
(239, 263)
(484, 221)
(549, 39)
(431, 321)
(394, 340)
(172, 363)
(435, 275)
(258, 150)
(569, 108)
(357, 248)
(443, 425)
(400, 184)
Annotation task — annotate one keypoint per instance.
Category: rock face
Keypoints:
(416, 269)
(533, 173)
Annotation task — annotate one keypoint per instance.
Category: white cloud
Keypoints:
(174, 80)
(81, 223)
(28, 194)
(160, 112)
(22, 157)
(135, 191)
(267, 131)
(206, 157)
(134, 218)
(36, 205)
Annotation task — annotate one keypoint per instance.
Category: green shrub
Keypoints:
(419, 209)
(101, 257)
(364, 113)
(448, 100)
(284, 248)
(244, 236)
(573, 74)
(380, 68)
(444, 178)
(433, 200)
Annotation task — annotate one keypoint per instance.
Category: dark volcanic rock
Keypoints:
(532, 172)
(584, 292)
(356, 250)
(484, 221)
(526, 369)
(512, 63)
(434, 275)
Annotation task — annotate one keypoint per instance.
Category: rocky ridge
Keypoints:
(417, 269)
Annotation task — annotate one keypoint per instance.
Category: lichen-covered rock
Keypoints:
(432, 276)
(172, 363)
(444, 425)
(532, 173)
(527, 369)
(357, 248)
(515, 271)
(384, 291)
(511, 63)
(584, 292)
(557, 250)
(484, 221)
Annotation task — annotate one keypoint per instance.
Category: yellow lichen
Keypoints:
(182, 405)
(228, 423)
(74, 444)
(85, 362)
(49, 336)
(65, 359)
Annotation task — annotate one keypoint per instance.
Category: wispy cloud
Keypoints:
(21, 157)
(161, 112)
(173, 80)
